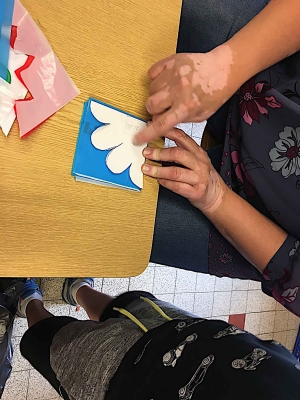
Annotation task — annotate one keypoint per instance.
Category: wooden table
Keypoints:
(50, 225)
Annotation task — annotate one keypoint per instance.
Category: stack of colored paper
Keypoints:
(105, 154)
(26, 74)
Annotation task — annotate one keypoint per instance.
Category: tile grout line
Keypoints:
(27, 391)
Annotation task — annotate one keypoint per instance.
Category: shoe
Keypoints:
(70, 287)
(31, 291)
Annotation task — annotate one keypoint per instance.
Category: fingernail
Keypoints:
(145, 168)
(147, 151)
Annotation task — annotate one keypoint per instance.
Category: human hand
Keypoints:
(188, 88)
(194, 178)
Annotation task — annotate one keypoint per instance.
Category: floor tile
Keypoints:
(281, 321)
(253, 285)
(237, 320)
(143, 282)
(224, 318)
(240, 284)
(268, 303)
(221, 305)
(293, 321)
(164, 280)
(39, 388)
(52, 288)
(57, 308)
(266, 336)
(205, 283)
(81, 314)
(252, 323)
(223, 284)
(115, 286)
(16, 387)
(291, 337)
(185, 301)
(151, 265)
(185, 281)
(169, 298)
(98, 282)
(203, 304)
(279, 307)
(19, 363)
(280, 337)
(20, 326)
(254, 301)
(238, 302)
(267, 320)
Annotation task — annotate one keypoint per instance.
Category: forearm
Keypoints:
(251, 233)
(271, 36)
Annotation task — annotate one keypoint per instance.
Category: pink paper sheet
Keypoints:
(48, 82)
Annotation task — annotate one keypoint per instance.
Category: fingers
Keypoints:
(183, 140)
(159, 102)
(183, 189)
(173, 154)
(158, 67)
(160, 126)
(159, 83)
(177, 174)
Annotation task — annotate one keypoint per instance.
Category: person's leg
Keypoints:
(36, 342)
(43, 326)
(93, 302)
(36, 312)
(206, 24)
(81, 292)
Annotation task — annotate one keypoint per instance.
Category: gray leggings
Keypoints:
(181, 233)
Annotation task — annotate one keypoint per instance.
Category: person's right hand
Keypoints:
(188, 88)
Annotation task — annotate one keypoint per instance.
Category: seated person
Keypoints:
(231, 211)
(137, 347)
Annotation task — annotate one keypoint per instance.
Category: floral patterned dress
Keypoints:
(261, 162)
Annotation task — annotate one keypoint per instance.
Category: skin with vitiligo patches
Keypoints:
(189, 87)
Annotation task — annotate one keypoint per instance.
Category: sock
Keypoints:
(24, 303)
(75, 286)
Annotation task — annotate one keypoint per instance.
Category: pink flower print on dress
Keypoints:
(242, 174)
(254, 102)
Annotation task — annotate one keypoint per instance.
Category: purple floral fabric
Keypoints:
(261, 162)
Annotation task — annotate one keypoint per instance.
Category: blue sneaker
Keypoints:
(31, 291)
(70, 287)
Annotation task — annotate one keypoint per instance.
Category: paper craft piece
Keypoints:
(105, 154)
(49, 84)
(16, 89)
(6, 15)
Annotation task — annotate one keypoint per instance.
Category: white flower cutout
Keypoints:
(117, 137)
(285, 156)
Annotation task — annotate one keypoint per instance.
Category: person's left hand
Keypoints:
(194, 178)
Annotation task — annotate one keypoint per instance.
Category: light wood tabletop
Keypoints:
(51, 225)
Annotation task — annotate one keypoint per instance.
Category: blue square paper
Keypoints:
(90, 163)
(6, 15)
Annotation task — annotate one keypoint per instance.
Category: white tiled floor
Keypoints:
(203, 295)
